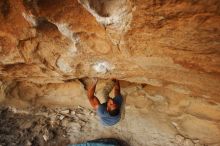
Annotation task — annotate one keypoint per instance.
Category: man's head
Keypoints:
(112, 107)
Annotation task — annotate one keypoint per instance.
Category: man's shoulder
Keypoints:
(101, 106)
(101, 110)
(118, 99)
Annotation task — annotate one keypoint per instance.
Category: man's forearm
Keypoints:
(92, 98)
(91, 91)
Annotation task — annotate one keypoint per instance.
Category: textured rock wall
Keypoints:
(162, 43)
(170, 47)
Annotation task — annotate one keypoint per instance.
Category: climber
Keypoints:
(109, 111)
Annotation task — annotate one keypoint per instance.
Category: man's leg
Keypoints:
(117, 90)
(107, 89)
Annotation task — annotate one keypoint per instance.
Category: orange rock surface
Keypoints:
(170, 47)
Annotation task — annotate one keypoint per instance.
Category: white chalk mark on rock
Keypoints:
(72, 50)
(30, 19)
(64, 62)
(102, 67)
(65, 30)
(63, 65)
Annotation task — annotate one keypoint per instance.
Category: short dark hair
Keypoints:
(114, 112)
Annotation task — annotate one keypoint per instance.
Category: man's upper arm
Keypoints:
(94, 102)
(92, 98)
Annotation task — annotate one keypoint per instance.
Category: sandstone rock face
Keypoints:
(168, 48)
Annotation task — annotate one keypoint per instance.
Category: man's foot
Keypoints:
(95, 80)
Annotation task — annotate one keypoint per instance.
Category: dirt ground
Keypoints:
(41, 126)
(20, 128)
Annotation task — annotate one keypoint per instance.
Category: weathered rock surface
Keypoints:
(170, 48)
